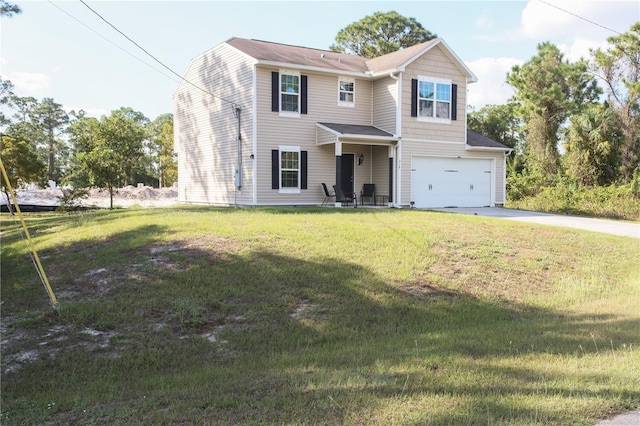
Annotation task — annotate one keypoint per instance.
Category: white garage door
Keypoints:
(450, 182)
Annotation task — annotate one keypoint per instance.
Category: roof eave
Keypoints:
(487, 148)
(368, 137)
(311, 68)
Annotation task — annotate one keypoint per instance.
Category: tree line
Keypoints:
(570, 122)
(41, 142)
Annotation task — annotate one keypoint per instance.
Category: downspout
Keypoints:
(238, 168)
(396, 150)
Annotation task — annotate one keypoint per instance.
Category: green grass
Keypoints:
(316, 316)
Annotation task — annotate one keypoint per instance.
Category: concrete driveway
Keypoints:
(625, 229)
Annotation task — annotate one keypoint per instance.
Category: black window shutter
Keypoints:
(275, 91)
(414, 97)
(275, 169)
(454, 101)
(303, 94)
(303, 169)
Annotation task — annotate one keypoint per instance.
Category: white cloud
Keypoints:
(29, 83)
(491, 88)
(580, 48)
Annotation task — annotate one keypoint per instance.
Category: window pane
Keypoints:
(289, 83)
(426, 108)
(426, 90)
(443, 92)
(289, 179)
(289, 160)
(346, 97)
(290, 103)
(346, 86)
(442, 109)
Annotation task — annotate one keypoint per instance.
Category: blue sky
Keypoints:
(60, 49)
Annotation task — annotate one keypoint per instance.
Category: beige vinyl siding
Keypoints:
(435, 63)
(206, 128)
(273, 131)
(380, 169)
(449, 150)
(385, 99)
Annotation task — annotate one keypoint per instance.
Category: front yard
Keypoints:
(190, 315)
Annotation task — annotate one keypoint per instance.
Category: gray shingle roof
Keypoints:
(266, 51)
(296, 55)
(475, 139)
(356, 129)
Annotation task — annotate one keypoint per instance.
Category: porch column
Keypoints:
(391, 169)
(338, 173)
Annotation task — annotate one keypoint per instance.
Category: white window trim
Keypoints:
(435, 81)
(286, 148)
(280, 93)
(345, 103)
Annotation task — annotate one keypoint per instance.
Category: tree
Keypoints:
(82, 132)
(6, 95)
(20, 160)
(498, 122)
(9, 9)
(161, 138)
(49, 118)
(619, 68)
(111, 148)
(592, 147)
(379, 34)
(549, 90)
(23, 106)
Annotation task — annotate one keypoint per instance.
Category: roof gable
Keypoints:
(399, 60)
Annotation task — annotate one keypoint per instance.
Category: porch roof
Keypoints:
(358, 132)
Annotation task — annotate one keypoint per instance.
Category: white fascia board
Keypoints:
(472, 78)
(325, 128)
(369, 138)
(486, 148)
(316, 69)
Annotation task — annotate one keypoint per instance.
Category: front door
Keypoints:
(347, 173)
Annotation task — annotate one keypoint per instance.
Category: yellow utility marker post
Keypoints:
(34, 253)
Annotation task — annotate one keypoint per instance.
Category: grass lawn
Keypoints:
(191, 315)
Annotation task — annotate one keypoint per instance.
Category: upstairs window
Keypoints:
(289, 93)
(433, 99)
(346, 92)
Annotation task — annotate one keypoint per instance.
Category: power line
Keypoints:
(109, 41)
(580, 17)
(235, 105)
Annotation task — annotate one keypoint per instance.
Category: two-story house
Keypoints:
(261, 123)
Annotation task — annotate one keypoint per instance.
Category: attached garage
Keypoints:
(452, 182)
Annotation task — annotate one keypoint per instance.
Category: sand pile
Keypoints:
(144, 196)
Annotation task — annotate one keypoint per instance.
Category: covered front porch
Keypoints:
(364, 163)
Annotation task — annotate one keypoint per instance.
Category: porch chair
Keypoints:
(327, 194)
(347, 197)
(368, 191)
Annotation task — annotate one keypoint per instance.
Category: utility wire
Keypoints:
(233, 104)
(580, 17)
(109, 41)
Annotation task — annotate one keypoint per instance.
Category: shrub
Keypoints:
(613, 202)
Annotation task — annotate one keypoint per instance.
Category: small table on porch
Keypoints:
(381, 199)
